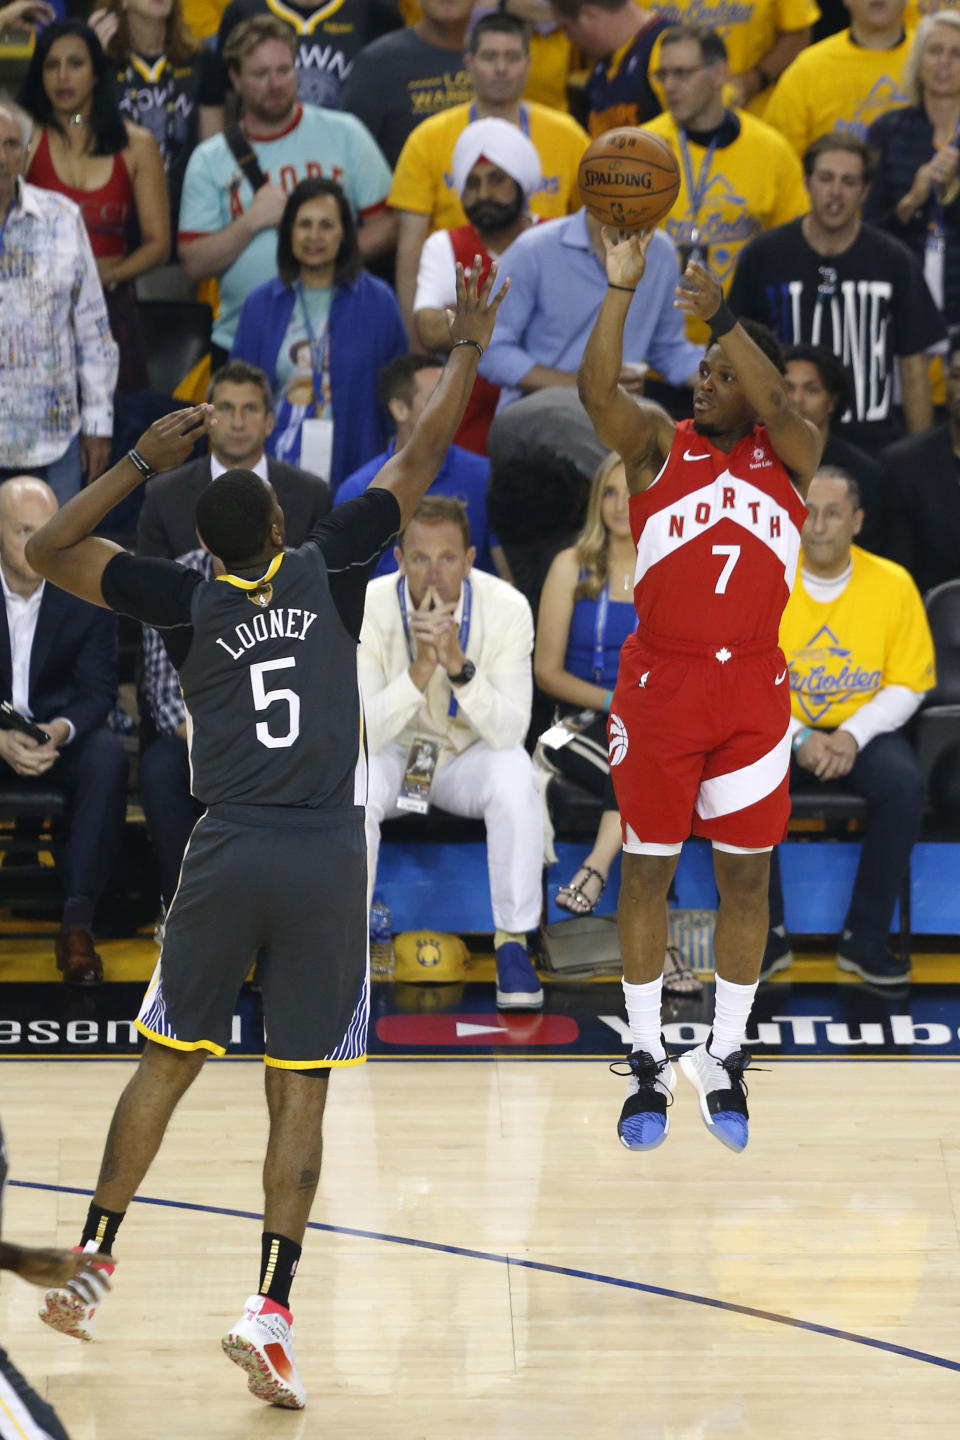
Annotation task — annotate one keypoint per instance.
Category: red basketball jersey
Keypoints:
(718, 538)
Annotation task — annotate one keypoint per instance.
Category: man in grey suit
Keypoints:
(243, 405)
(240, 395)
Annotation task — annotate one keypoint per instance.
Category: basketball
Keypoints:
(628, 178)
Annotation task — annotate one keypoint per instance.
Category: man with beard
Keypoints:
(495, 171)
(700, 719)
(229, 212)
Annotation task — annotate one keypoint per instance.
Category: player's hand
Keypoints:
(32, 13)
(698, 292)
(476, 313)
(170, 439)
(48, 1268)
(626, 255)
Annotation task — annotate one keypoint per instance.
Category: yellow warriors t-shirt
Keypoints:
(423, 183)
(753, 184)
(750, 28)
(842, 652)
(837, 85)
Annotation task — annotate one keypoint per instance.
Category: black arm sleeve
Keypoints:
(155, 592)
(351, 539)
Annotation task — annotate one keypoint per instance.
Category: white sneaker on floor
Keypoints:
(261, 1343)
(72, 1309)
(723, 1095)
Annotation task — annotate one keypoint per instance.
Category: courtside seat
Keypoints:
(24, 882)
(937, 726)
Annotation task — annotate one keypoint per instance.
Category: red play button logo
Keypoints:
(477, 1030)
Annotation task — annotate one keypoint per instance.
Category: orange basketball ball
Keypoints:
(628, 178)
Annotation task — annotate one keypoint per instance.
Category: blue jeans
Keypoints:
(886, 775)
(64, 476)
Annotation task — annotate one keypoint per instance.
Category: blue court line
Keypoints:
(542, 1267)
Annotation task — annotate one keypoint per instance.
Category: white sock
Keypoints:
(733, 1006)
(643, 1013)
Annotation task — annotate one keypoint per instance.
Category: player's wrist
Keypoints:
(628, 289)
(722, 321)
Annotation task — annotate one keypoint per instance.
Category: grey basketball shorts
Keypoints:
(289, 882)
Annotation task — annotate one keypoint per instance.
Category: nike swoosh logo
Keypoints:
(780, 678)
(689, 455)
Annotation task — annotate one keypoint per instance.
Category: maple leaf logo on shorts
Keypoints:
(619, 740)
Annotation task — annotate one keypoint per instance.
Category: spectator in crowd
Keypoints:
(622, 35)
(411, 74)
(227, 223)
(924, 471)
(322, 330)
(844, 82)
(58, 362)
(557, 282)
(762, 38)
(83, 148)
(242, 405)
(586, 613)
(406, 384)
(165, 80)
(444, 663)
(328, 38)
(543, 453)
(58, 668)
(243, 408)
(424, 192)
(915, 194)
(819, 386)
(830, 279)
(860, 657)
(551, 54)
(737, 175)
(495, 171)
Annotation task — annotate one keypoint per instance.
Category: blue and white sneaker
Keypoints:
(644, 1123)
(518, 985)
(723, 1095)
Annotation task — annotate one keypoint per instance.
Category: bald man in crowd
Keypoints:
(58, 671)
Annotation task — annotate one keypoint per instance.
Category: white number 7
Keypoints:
(732, 553)
(263, 698)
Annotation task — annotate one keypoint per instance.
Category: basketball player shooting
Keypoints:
(699, 723)
(266, 655)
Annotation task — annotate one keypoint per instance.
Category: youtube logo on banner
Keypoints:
(480, 1031)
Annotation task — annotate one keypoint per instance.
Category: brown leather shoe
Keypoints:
(77, 959)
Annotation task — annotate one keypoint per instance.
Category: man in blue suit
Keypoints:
(58, 667)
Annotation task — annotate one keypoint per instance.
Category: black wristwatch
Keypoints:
(467, 673)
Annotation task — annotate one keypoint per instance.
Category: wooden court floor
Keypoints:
(489, 1262)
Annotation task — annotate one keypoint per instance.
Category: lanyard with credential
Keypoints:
(600, 633)
(462, 636)
(695, 191)
(319, 356)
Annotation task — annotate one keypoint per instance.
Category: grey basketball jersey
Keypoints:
(270, 685)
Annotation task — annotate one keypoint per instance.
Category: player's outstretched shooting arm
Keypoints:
(797, 441)
(639, 431)
(409, 474)
(65, 550)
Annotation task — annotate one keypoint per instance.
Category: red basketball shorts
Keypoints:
(700, 743)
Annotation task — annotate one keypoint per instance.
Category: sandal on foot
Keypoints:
(678, 978)
(574, 897)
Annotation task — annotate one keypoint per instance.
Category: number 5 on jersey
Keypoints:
(264, 698)
(732, 553)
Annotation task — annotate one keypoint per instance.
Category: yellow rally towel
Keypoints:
(429, 955)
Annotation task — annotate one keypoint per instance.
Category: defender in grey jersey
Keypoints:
(266, 654)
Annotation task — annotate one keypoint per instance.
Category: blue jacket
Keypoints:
(365, 332)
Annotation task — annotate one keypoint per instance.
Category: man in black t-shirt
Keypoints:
(404, 77)
(327, 46)
(266, 655)
(829, 279)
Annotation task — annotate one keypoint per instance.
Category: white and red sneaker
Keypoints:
(261, 1343)
(72, 1309)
